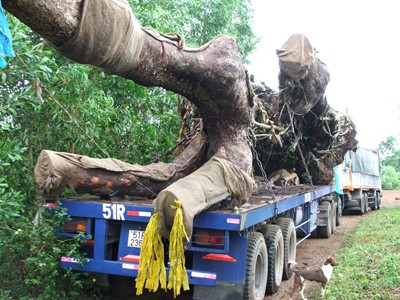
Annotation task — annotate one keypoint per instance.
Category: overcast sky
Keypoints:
(359, 41)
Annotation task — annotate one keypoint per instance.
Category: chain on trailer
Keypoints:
(252, 141)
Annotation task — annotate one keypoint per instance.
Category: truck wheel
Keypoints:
(339, 211)
(379, 196)
(289, 243)
(375, 205)
(361, 211)
(365, 197)
(326, 230)
(333, 216)
(256, 267)
(338, 215)
(315, 234)
(274, 239)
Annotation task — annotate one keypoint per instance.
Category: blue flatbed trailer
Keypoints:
(220, 251)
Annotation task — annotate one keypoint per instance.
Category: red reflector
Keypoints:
(130, 258)
(133, 213)
(137, 213)
(219, 257)
(51, 205)
(213, 240)
(89, 243)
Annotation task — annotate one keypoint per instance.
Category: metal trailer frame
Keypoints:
(216, 272)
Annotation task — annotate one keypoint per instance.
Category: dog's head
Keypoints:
(331, 261)
(292, 265)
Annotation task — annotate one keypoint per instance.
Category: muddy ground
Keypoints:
(308, 256)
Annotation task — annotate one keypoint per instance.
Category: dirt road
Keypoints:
(308, 255)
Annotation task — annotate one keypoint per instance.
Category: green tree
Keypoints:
(200, 21)
(390, 163)
(47, 102)
(393, 160)
(387, 147)
(390, 178)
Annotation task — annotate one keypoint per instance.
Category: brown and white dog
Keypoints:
(321, 275)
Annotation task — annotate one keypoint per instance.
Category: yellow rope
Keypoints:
(152, 268)
(177, 271)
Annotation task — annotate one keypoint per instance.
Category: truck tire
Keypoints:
(378, 197)
(326, 230)
(339, 211)
(338, 214)
(256, 267)
(375, 206)
(361, 211)
(289, 243)
(314, 234)
(333, 216)
(274, 240)
(365, 197)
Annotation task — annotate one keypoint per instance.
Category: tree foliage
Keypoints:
(201, 20)
(388, 147)
(48, 102)
(390, 178)
(390, 164)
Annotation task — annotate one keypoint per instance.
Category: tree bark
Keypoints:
(56, 171)
(56, 21)
(315, 137)
(213, 78)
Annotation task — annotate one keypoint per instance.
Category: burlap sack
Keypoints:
(55, 171)
(296, 56)
(212, 183)
(109, 36)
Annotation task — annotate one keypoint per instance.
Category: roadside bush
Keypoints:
(33, 254)
(390, 178)
(29, 255)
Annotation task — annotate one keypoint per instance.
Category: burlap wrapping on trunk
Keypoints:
(210, 184)
(296, 56)
(55, 171)
(109, 36)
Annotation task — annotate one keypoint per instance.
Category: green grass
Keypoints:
(369, 261)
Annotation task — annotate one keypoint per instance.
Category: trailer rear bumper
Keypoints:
(131, 270)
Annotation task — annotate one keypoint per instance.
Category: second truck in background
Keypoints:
(360, 181)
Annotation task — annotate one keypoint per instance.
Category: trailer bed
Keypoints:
(262, 205)
(218, 247)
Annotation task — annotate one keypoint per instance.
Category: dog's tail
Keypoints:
(292, 265)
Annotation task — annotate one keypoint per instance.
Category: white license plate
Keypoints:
(135, 238)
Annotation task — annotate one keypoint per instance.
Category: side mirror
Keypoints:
(348, 163)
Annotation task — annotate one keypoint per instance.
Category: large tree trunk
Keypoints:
(213, 78)
(56, 171)
(315, 136)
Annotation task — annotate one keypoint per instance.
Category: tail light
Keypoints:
(209, 238)
(76, 226)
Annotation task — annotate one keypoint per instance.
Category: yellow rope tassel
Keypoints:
(177, 270)
(151, 264)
